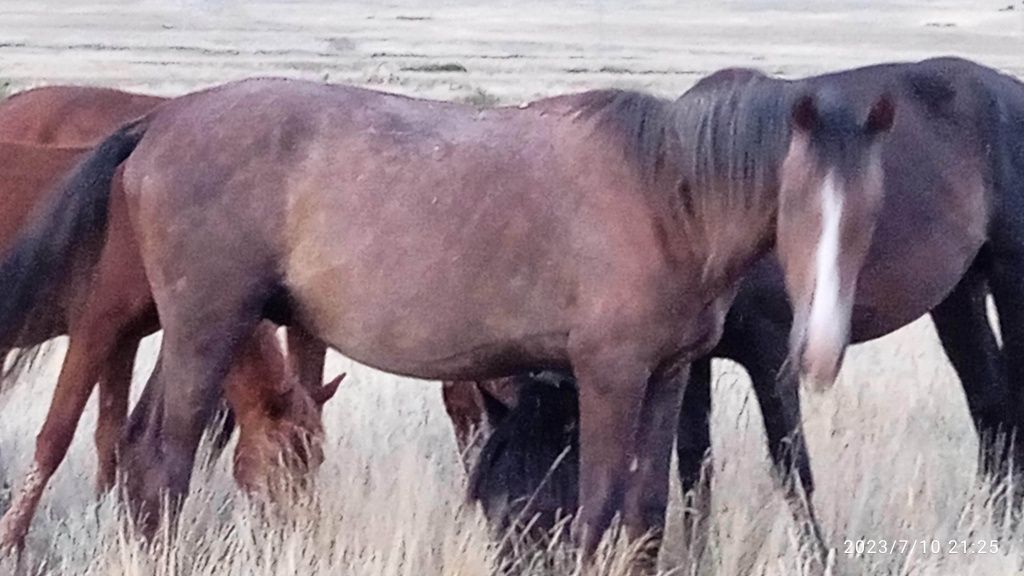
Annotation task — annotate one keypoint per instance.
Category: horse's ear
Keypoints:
(805, 113)
(324, 393)
(881, 117)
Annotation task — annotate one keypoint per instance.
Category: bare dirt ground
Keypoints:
(893, 447)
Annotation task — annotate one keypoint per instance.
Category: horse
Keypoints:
(45, 131)
(279, 419)
(948, 228)
(69, 115)
(81, 115)
(30, 171)
(274, 411)
(603, 232)
(280, 428)
(544, 407)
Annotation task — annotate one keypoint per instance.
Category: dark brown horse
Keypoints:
(604, 232)
(541, 411)
(948, 230)
(116, 315)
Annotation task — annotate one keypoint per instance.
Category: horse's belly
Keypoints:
(430, 321)
(432, 339)
(902, 284)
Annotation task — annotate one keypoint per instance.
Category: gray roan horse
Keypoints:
(950, 231)
(602, 232)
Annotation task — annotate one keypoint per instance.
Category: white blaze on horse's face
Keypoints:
(831, 190)
(829, 321)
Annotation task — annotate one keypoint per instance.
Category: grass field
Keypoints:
(892, 446)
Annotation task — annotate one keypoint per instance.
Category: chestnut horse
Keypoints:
(69, 115)
(948, 230)
(62, 116)
(603, 232)
(280, 432)
(30, 171)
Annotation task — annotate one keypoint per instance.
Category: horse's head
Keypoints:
(831, 192)
(280, 428)
(528, 470)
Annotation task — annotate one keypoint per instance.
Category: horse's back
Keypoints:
(69, 115)
(375, 207)
(1004, 95)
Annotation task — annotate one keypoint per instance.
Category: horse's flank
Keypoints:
(29, 171)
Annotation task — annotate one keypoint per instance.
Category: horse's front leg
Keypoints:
(623, 465)
(693, 448)
(648, 497)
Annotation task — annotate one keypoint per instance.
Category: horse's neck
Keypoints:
(728, 236)
(726, 218)
(732, 143)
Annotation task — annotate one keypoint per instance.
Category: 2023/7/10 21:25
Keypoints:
(863, 547)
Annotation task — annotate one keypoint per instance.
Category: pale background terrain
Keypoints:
(892, 446)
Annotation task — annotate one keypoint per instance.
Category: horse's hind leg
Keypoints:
(204, 322)
(961, 321)
(115, 388)
(90, 347)
(1006, 281)
(118, 309)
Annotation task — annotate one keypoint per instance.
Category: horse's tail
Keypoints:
(64, 234)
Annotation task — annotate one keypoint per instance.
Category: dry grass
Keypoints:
(893, 454)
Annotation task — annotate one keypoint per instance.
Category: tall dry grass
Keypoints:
(893, 453)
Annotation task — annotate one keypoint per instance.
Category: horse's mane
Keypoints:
(530, 463)
(725, 137)
(734, 126)
(641, 121)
